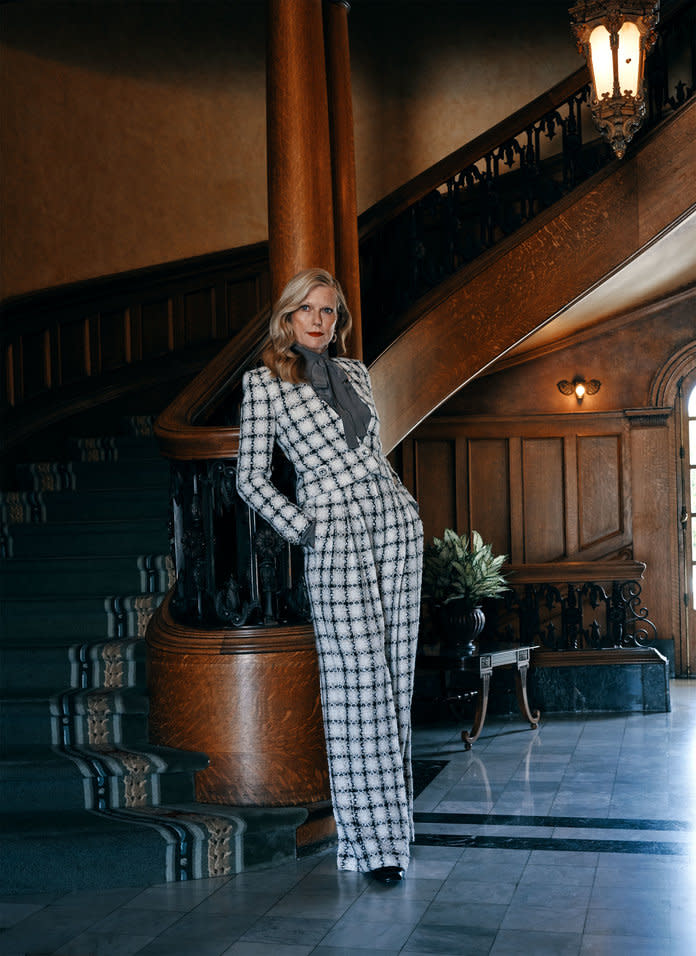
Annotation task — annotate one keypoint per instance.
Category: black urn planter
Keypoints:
(460, 626)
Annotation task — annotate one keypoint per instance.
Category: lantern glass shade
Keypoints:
(615, 36)
(629, 58)
(602, 64)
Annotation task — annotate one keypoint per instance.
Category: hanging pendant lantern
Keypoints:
(615, 36)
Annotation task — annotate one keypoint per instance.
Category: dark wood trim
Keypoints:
(177, 430)
(129, 284)
(574, 572)
(168, 634)
(612, 655)
(138, 331)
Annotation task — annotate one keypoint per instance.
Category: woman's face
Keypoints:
(313, 321)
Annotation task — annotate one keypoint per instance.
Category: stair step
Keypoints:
(112, 448)
(72, 850)
(84, 575)
(18, 507)
(88, 618)
(93, 476)
(61, 664)
(93, 538)
(92, 778)
(85, 800)
(84, 718)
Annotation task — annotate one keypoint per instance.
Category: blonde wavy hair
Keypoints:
(278, 355)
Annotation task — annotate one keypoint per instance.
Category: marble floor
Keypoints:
(576, 838)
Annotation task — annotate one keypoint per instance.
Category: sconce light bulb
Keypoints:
(580, 389)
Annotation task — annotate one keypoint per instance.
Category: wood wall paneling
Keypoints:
(436, 485)
(244, 300)
(74, 351)
(35, 363)
(114, 339)
(600, 489)
(489, 491)
(9, 397)
(543, 490)
(156, 331)
(199, 315)
(654, 509)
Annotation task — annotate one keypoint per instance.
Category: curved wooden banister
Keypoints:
(177, 429)
(478, 314)
(432, 178)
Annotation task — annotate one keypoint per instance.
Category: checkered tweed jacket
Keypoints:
(311, 435)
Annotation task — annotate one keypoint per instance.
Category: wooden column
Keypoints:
(343, 161)
(300, 201)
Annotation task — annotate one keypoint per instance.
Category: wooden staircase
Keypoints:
(86, 799)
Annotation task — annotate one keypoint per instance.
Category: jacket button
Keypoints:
(322, 471)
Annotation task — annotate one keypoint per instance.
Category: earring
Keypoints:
(334, 336)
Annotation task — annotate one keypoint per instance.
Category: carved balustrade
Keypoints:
(573, 606)
(232, 569)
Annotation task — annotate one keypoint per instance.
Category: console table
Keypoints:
(482, 664)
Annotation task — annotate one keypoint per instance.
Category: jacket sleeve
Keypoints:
(257, 431)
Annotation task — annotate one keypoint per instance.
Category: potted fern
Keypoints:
(458, 573)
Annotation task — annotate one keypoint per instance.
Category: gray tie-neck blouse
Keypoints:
(333, 386)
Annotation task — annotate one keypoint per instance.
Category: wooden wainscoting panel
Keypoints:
(244, 298)
(75, 360)
(198, 307)
(436, 485)
(543, 499)
(600, 489)
(9, 397)
(654, 507)
(489, 491)
(114, 338)
(156, 331)
(35, 363)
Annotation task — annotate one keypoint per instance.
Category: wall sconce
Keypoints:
(579, 387)
(615, 36)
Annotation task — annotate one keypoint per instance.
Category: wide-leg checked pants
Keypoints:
(363, 578)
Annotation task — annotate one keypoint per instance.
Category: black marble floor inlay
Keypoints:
(424, 772)
(514, 820)
(651, 847)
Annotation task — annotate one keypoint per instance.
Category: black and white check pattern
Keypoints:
(363, 577)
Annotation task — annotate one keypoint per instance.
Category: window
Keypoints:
(691, 414)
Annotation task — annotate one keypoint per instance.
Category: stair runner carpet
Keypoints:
(85, 799)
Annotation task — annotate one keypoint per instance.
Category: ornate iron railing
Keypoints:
(574, 607)
(478, 196)
(232, 569)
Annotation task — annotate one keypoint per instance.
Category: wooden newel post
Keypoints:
(343, 161)
(300, 195)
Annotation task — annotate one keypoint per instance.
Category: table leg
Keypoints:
(481, 707)
(521, 687)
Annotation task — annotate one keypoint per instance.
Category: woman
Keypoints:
(363, 544)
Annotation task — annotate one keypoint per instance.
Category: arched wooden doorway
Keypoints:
(675, 386)
(687, 412)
